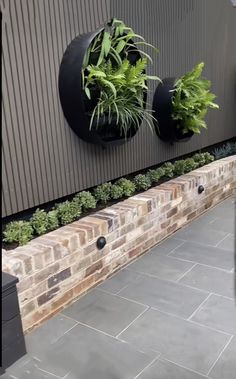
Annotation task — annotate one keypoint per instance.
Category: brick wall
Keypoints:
(58, 267)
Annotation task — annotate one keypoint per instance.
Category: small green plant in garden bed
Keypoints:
(103, 192)
(128, 187)
(68, 211)
(169, 169)
(191, 100)
(18, 231)
(142, 182)
(85, 200)
(64, 213)
(116, 191)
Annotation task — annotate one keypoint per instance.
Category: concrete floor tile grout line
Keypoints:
(209, 327)
(228, 235)
(186, 368)
(200, 306)
(202, 264)
(185, 273)
(222, 351)
(125, 298)
(146, 367)
(136, 318)
(48, 372)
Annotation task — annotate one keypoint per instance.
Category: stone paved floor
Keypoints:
(170, 314)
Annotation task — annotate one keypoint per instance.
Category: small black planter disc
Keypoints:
(166, 128)
(75, 104)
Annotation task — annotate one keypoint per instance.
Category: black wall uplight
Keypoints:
(201, 189)
(101, 242)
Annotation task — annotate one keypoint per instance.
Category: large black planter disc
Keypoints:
(166, 128)
(74, 101)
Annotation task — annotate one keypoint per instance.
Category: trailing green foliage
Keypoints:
(68, 212)
(169, 169)
(121, 94)
(86, 200)
(103, 192)
(191, 100)
(117, 85)
(142, 182)
(116, 191)
(18, 231)
(39, 222)
(128, 187)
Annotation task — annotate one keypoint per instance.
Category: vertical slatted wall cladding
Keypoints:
(42, 158)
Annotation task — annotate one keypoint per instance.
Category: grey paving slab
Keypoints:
(180, 341)
(28, 371)
(228, 243)
(208, 255)
(165, 296)
(218, 312)
(119, 281)
(200, 233)
(227, 225)
(168, 245)
(163, 369)
(48, 333)
(226, 365)
(211, 279)
(83, 353)
(104, 311)
(161, 266)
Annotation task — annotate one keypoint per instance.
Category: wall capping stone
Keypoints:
(58, 267)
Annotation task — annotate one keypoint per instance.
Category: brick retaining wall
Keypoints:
(57, 268)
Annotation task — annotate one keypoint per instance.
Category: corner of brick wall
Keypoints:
(58, 267)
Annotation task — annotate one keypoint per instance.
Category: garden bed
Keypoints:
(58, 267)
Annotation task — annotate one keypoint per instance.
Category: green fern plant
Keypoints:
(119, 85)
(191, 100)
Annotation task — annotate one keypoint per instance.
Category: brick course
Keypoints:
(57, 268)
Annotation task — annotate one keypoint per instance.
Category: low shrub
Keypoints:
(85, 200)
(168, 168)
(53, 222)
(128, 187)
(227, 149)
(39, 222)
(116, 192)
(199, 159)
(179, 167)
(68, 212)
(208, 158)
(18, 231)
(190, 164)
(103, 192)
(142, 182)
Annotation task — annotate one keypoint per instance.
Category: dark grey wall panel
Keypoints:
(42, 158)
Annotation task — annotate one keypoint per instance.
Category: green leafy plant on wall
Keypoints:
(191, 100)
(118, 84)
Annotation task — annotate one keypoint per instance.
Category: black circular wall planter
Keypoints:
(166, 128)
(74, 101)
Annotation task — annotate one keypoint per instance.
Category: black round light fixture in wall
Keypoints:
(101, 242)
(201, 189)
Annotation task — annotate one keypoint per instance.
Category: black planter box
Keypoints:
(13, 342)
